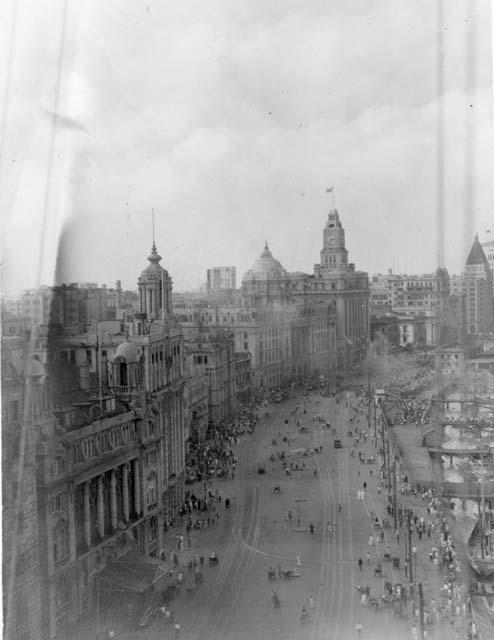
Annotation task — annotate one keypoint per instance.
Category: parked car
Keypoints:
(337, 444)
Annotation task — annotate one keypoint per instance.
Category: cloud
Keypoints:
(231, 123)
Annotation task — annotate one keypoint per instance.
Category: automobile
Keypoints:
(261, 469)
(337, 444)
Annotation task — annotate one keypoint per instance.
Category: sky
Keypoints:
(231, 119)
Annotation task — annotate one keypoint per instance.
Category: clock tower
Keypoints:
(334, 254)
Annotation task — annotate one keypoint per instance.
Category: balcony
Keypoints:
(127, 389)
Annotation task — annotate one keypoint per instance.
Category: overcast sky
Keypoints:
(231, 119)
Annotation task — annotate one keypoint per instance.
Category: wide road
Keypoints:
(235, 601)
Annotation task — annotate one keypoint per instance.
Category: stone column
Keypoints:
(137, 488)
(113, 499)
(87, 516)
(125, 492)
(101, 508)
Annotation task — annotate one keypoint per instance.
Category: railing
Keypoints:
(127, 389)
(467, 489)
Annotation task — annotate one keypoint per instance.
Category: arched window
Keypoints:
(151, 489)
(61, 543)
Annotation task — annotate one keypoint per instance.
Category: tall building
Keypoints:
(479, 292)
(424, 296)
(221, 279)
(488, 248)
(337, 280)
(24, 404)
(295, 325)
(110, 464)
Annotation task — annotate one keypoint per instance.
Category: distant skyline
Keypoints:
(232, 120)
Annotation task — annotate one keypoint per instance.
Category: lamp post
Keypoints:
(395, 501)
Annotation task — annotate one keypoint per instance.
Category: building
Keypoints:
(425, 296)
(294, 325)
(24, 410)
(221, 279)
(392, 331)
(110, 464)
(212, 353)
(479, 292)
(488, 248)
(336, 280)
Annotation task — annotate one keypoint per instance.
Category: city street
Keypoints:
(235, 600)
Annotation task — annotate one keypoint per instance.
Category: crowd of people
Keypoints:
(212, 456)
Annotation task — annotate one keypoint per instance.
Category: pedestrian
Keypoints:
(358, 629)
(360, 563)
(311, 527)
(177, 630)
(299, 562)
(311, 602)
(368, 558)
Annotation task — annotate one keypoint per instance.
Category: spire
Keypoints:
(476, 255)
(266, 252)
(154, 256)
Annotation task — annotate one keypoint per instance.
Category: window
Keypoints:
(151, 457)
(153, 529)
(61, 545)
(58, 466)
(152, 495)
(58, 502)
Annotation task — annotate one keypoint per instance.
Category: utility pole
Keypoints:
(421, 612)
(383, 424)
(375, 422)
(369, 408)
(410, 559)
(395, 501)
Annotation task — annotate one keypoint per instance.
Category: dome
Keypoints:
(129, 351)
(34, 369)
(154, 268)
(265, 267)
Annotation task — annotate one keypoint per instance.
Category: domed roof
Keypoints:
(34, 369)
(265, 267)
(129, 351)
(154, 268)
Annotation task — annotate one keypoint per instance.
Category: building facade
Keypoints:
(479, 292)
(24, 410)
(110, 464)
(221, 279)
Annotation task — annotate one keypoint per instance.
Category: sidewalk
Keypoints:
(424, 570)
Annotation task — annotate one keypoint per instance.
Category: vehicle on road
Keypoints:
(337, 444)
(260, 468)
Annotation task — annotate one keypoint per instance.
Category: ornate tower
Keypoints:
(333, 254)
(155, 288)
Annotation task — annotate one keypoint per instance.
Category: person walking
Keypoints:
(368, 558)
(360, 563)
(358, 629)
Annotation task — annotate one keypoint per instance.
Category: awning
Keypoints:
(136, 573)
